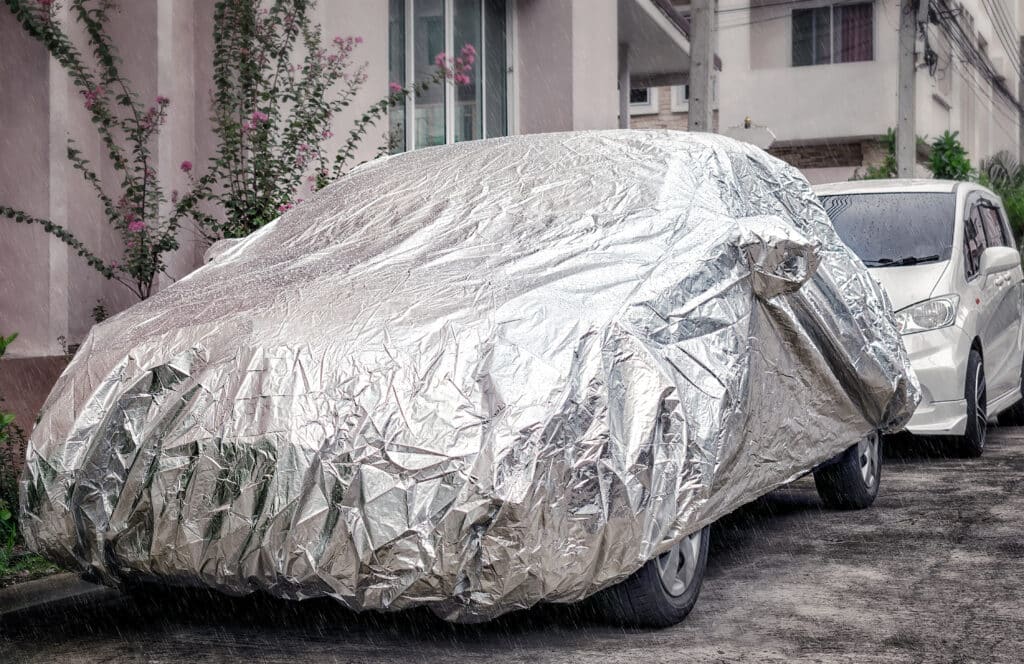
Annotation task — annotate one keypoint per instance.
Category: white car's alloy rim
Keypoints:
(868, 451)
(980, 403)
(678, 565)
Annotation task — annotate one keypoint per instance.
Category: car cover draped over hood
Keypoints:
(473, 377)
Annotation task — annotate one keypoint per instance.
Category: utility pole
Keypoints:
(702, 63)
(912, 13)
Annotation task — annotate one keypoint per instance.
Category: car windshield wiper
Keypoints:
(905, 260)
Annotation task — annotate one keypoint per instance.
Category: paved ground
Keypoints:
(934, 572)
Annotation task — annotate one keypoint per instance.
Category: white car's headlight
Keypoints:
(928, 315)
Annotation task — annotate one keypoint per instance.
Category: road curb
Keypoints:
(51, 590)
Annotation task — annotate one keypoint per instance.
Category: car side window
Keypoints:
(974, 241)
(994, 235)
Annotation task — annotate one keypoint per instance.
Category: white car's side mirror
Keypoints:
(998, 259)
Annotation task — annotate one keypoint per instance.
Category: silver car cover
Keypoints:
(474, 377)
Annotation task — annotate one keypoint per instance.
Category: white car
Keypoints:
(946, 255)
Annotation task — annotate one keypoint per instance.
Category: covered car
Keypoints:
(475, 377)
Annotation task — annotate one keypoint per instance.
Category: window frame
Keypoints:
(650, 107)
(833, 39)
(972, 266)
(449, 86)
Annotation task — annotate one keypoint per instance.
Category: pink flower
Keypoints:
(394, 87)
(162, 100)
(461, 79)
(327, 133)
(284, 207)
(258, 117)
(468, 53)
(91, 96)
(359, 40)
(136, 226)
(441, 60)
(186, 166)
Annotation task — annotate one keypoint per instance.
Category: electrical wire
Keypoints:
(970, 52)
(1000, 33)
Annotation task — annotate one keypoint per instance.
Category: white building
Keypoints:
(822, 76)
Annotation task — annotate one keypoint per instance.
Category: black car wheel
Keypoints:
(850, 481)
(973, 442)
(662, 592)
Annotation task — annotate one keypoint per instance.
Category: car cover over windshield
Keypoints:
(473, 377)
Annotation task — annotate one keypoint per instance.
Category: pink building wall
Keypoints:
(48, 292)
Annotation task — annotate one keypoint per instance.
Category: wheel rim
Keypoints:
(980, 404)
(678, 565)
(868, 453)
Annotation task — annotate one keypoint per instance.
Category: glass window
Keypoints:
(469, 119)
(448, 112)
(428, 41)
(894, 229)
(643, 101)
(396, 72)
(995, 234)
(812, 36)
(837, 33)
(495, 68)
(974, 241)
(854, 33)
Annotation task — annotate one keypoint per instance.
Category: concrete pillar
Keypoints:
(566, 70)
(702, 63)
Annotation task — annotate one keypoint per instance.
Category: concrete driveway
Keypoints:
(934, 572)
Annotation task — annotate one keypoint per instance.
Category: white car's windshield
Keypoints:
(894, 228)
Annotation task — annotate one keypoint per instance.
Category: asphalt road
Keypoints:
(934, 572)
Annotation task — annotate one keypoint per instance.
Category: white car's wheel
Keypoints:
(973, 442)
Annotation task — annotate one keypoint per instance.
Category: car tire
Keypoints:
(972, 444)
(851, 480)
(663, 591)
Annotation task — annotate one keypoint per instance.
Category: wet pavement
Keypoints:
(934, 572)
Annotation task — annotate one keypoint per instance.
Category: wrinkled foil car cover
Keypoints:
(474, 377)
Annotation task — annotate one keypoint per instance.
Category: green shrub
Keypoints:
(1005, 175)
(11, 439)
(949, 160)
